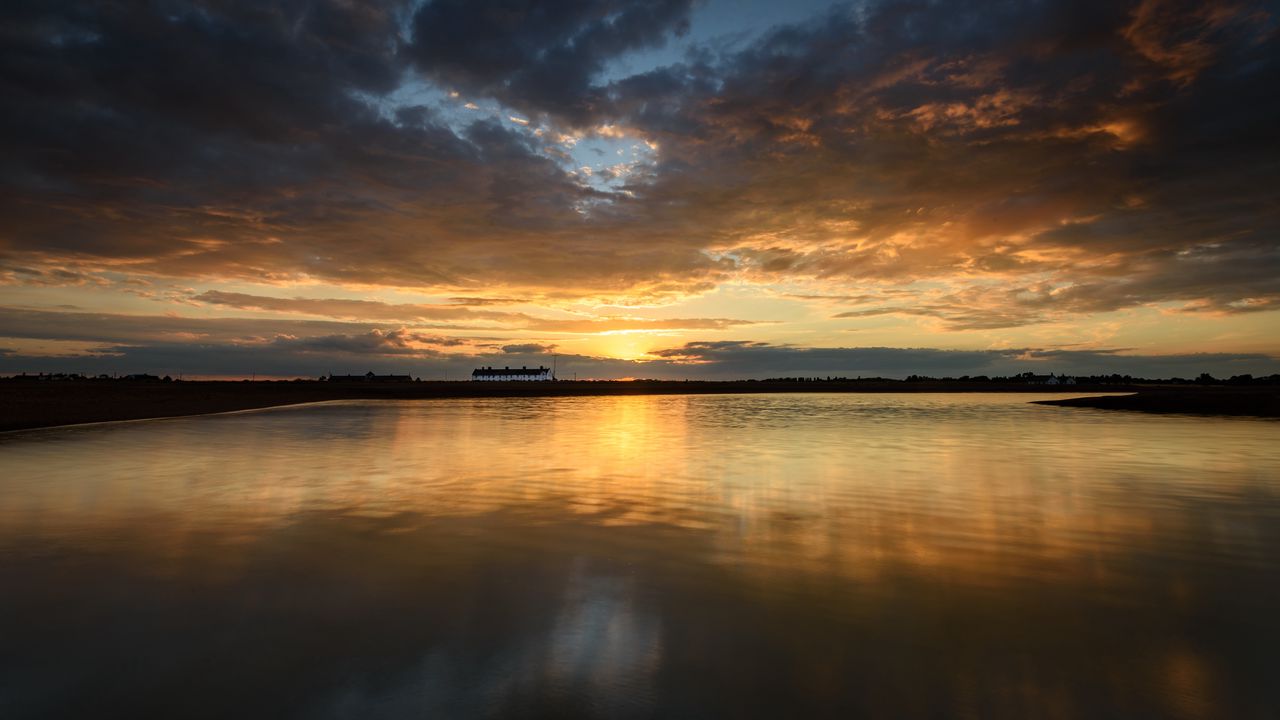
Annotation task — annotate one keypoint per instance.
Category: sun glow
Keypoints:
(623, 346)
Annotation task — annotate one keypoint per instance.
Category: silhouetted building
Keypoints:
(506, 373)
(370, 377)
(45, 377)
(1049, 379)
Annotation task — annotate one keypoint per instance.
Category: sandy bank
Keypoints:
(1259, 402)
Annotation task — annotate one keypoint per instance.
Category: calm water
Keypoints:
(716, 556)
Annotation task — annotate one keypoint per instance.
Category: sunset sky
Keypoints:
(730, 188)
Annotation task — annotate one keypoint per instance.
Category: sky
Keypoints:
(659, 189)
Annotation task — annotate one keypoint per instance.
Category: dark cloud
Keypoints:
(375, 342)
(359, 309)
(46, 277)
(542, 56)
(751, 359)
(116, 329)
(528, 349)
(1227, 278)
(405, 351)
(245, 140)
(1120, 148)
(1078, 157)
(459, 317)
(482, 301)
(758, 359)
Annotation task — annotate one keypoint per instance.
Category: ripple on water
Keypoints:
(740, 556)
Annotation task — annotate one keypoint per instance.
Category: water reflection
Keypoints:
(751, 556)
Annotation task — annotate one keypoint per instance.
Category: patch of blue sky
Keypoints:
(719, 25)
(607, 157)
(413, 91)
(603, 158)
(608, 162)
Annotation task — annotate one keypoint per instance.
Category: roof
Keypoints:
(509, 372)
(369, 377)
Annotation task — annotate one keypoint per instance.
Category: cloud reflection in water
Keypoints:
(750, 556)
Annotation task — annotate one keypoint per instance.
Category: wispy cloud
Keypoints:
(1053, 161)
(459, 317)
(424, 355)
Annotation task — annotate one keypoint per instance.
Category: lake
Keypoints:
(736, 556)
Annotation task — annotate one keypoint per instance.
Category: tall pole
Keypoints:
(553, 366)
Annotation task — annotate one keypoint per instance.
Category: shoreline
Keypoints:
(1262, 402)
(34, 405)
(155, 418)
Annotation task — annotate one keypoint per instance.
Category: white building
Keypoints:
(506, 374)
(1058, 380)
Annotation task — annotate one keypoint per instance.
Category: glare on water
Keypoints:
(697, 556)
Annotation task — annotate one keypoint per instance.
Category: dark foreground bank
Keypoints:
(1257, 402)
(26, 405)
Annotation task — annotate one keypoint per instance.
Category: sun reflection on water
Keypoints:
(898, 555)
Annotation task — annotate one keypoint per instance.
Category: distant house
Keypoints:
(506, 373)
(1050, 379)
(370, 377)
